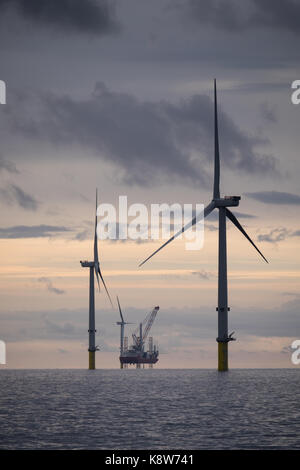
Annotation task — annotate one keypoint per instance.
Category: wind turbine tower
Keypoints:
(222, 204)
(94, 267)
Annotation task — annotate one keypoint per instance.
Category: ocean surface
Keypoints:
(150, 409)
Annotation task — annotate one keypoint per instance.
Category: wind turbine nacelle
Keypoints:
(227, 201)
(87, 264)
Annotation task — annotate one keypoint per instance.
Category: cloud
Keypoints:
(48, 325)
(65, 329)
(83, 235)
(90, 16)
(8, 166)
(277, 235)
(210, 227)
(31, 231)
(182, 324)
(278, 14)
(274, 236)
(296, 233)
(147, 140)
(202, 274)
(14, 194)
(234, 16)
(226, 15)
(268, 112)
(49, 285)
(24, 199)
(280, 322)
(293, 294)
(274, 197)
(258, 87)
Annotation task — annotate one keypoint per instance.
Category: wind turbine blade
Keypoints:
(101, 277)
(97, 277)
(122, 319)
(217, 154)
(96, 260)
(208, 209)
(235, 222)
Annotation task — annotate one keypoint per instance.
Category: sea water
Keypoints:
(150, 409)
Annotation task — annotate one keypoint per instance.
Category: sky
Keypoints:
(118, 95)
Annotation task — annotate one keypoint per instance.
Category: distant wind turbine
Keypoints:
(94, 267)
(222, 204)
(122, 323)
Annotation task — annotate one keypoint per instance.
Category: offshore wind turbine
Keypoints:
(122, 324)
(94, 268)
(222, 204)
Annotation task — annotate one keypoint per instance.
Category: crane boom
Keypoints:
(148, 321)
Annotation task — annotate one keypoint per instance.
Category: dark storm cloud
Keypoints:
(50, 287)
(145, 139)
(277, 14)
(91, 16)
(235, 16)
(34, 231)
(224, 14)
(14, 194)
(274, 197)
